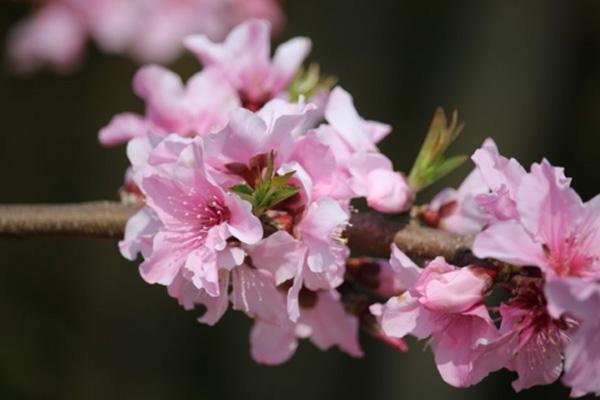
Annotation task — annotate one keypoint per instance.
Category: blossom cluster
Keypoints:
(247, 173)
(246, 176)
(536, 241)
(55, 34)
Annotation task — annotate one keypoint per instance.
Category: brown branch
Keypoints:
(101, 219)
(369, 233)
(373, 233)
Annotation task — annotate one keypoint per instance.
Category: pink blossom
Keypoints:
(532, 342)
(172, 107)
(249, 134)
(245, 59)
(578, 299)
(147, 30)
(353, 141)
(313, 257)
(310, 223)
(323, 320)
(543, 223)
(197, 217)
(456, 210)
(555, 230)
(444, 303)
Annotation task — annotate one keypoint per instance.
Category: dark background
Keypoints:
(78, 322)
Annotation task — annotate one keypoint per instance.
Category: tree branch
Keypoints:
(101, 219)
(373, 233)
(369, 233)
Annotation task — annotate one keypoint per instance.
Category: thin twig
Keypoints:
(369, 233)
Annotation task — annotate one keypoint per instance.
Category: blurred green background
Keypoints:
(77, 320)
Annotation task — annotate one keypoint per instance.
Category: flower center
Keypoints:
(253, 103)
(572, 258)
(534, 322)
(213, 213)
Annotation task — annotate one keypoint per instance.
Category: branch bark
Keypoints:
(370, 233)
(100, 219)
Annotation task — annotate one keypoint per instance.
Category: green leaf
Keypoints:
(281, 180)
(308, 82)
(269, 190)
(282, 194)
(244, 191)
(431, 163)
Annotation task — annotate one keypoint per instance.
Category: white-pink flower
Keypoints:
(531, 342)
(543, 223)
(353, 140)
(245, 59)
(555, 230)
(197, 217)
(172, 107)
(444, 303)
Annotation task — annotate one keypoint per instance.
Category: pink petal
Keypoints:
(321, 222)
(280, 254)
(242, 224)
(168, 256)
(139, 231)
(496, 170)
(209, 114)
(168, 150)
(163, 92)
(508, 241)
(272, 344)
(188, 296)
(582, 359)
(122, 128)
(342, 115)
(201, 266)
(255, 293)
(288, 58)
(332, 325)
(319, 162)
(580, 298)
(459, 348)
(293, 301)
(377, 131)
(388, 191)
(549, 208)
(403, 315)
(405, 269)
(243, 138)
(537, 363)
(454, 292)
